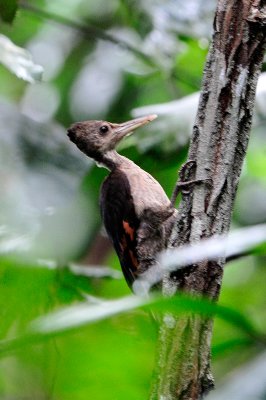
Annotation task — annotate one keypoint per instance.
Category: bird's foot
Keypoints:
(184, 186)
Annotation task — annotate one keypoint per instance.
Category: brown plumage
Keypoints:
(137, 214)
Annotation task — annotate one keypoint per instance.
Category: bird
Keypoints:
(136, 212)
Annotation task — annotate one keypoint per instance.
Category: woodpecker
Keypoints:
(137, 214)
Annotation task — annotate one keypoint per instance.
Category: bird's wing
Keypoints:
(121, 222)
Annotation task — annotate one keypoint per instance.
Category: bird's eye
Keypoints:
(104, 129)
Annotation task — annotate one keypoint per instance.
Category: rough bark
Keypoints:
(218, 147)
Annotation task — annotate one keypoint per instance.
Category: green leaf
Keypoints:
(8, 10)
(184, 303)
(236, 242)
(81, 314)
(70, 318)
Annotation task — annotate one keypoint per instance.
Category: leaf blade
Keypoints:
(19, 61)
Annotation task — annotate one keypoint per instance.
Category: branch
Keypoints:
(218, 147)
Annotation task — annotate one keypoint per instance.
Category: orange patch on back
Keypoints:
(128, 230)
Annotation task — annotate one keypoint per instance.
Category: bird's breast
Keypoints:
(146, 192)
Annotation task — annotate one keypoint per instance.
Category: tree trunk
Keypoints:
(218, 147)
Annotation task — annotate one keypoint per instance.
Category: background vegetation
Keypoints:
(106, 60)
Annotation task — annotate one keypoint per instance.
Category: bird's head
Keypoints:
(96, 138)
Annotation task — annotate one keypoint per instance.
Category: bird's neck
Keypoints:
(111, 160)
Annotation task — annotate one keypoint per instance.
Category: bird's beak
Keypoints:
(126, 128)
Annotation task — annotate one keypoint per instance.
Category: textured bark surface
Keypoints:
(218, 147)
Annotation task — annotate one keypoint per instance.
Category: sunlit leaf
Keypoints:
(84, 313)
(8, 9)
(73, 317)
(19, 61)
(81, 314)
(207, 249)
(95, 271)
(90, 271)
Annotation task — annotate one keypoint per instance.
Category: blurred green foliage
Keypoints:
(102, 60)
(8, 10)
